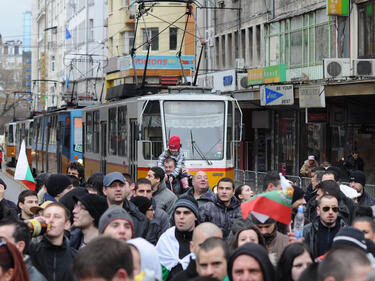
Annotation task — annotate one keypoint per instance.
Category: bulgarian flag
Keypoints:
(23, 171)
(274, 204)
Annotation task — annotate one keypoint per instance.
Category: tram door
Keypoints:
(59, 134)
(103, 147)
(133, 148)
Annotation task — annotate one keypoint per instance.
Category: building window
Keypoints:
(128, 40)
(52, 63)
(301, 41)
(91, 30)
(173, 38)
(366, 30)
(153, 34)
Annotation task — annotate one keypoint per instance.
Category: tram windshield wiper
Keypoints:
(194, 146)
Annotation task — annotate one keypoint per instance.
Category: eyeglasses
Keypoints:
(327, 208)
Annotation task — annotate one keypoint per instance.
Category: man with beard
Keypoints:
(117, 190)
(275, 240)
(319, 234)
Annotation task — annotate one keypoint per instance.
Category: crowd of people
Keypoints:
(172, 226)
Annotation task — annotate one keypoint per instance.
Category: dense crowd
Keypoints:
(172, 226)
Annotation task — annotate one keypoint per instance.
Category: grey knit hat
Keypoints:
(113, 213)
(187, 203)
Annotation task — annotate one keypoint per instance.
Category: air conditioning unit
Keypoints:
(240, 63)
(364, 67)
(242, 81)
(336, 68)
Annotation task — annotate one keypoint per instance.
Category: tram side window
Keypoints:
(52, 130)
(77, 144)
(113, 138)
(229, 130)
(151, 131)
(67, 133)
(122, 131)
(10, 134)
(95, 140)
(39, 130)
(31, 133)
(18, 133)
(89, 132)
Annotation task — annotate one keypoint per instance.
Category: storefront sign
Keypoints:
(312, 96)
(255, 76)
(157, 62)
(276, 95)
(274, 73)
(338, 7)
(317, 117)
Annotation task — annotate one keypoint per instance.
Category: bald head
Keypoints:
(201, 233)
(200, 182)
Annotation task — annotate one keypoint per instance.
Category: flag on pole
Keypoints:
(23, 171)
(274, 204)
(67, 34)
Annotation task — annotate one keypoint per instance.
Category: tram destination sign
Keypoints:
(276, 95)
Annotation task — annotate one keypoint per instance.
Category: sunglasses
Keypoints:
(327, 208)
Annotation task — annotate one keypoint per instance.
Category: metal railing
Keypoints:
(255, 180)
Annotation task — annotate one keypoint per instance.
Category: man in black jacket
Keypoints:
(357, 181)
(116, 191)
(53, 256)
(320, 233)
(19, 234)
(201, 233)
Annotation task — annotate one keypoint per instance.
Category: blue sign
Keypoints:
(272, 95)
(228, 80)
(157, 62)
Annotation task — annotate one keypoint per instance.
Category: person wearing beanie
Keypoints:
(357, 181)
(224, 209)
(116, 189)
(246, 260)
(173, 151)
(57, 186)
(86, 214)
(165, 199)
(308, 165)
(116, 223)
(174, 244)
(9, 205)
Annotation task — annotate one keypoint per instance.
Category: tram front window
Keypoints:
(200, 126)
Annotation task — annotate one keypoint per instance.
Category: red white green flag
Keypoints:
(23, 171)
(274, 204)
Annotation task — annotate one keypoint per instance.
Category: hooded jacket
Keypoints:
(257, 252)
(54, 262)
(209, 196)
(165, 199)
(217, 213)
(366, 199)
(149, 257)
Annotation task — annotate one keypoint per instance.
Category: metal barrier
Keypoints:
(255, 180)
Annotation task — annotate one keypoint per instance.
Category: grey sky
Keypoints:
(11, 18)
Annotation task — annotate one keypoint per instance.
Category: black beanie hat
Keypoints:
(257, 252)
(95, 205)
(350, 236)
(56, 183)
(3, 183)
(358, 176)
(297, 194)
(142, 203)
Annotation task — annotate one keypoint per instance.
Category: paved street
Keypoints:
(13, 188)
